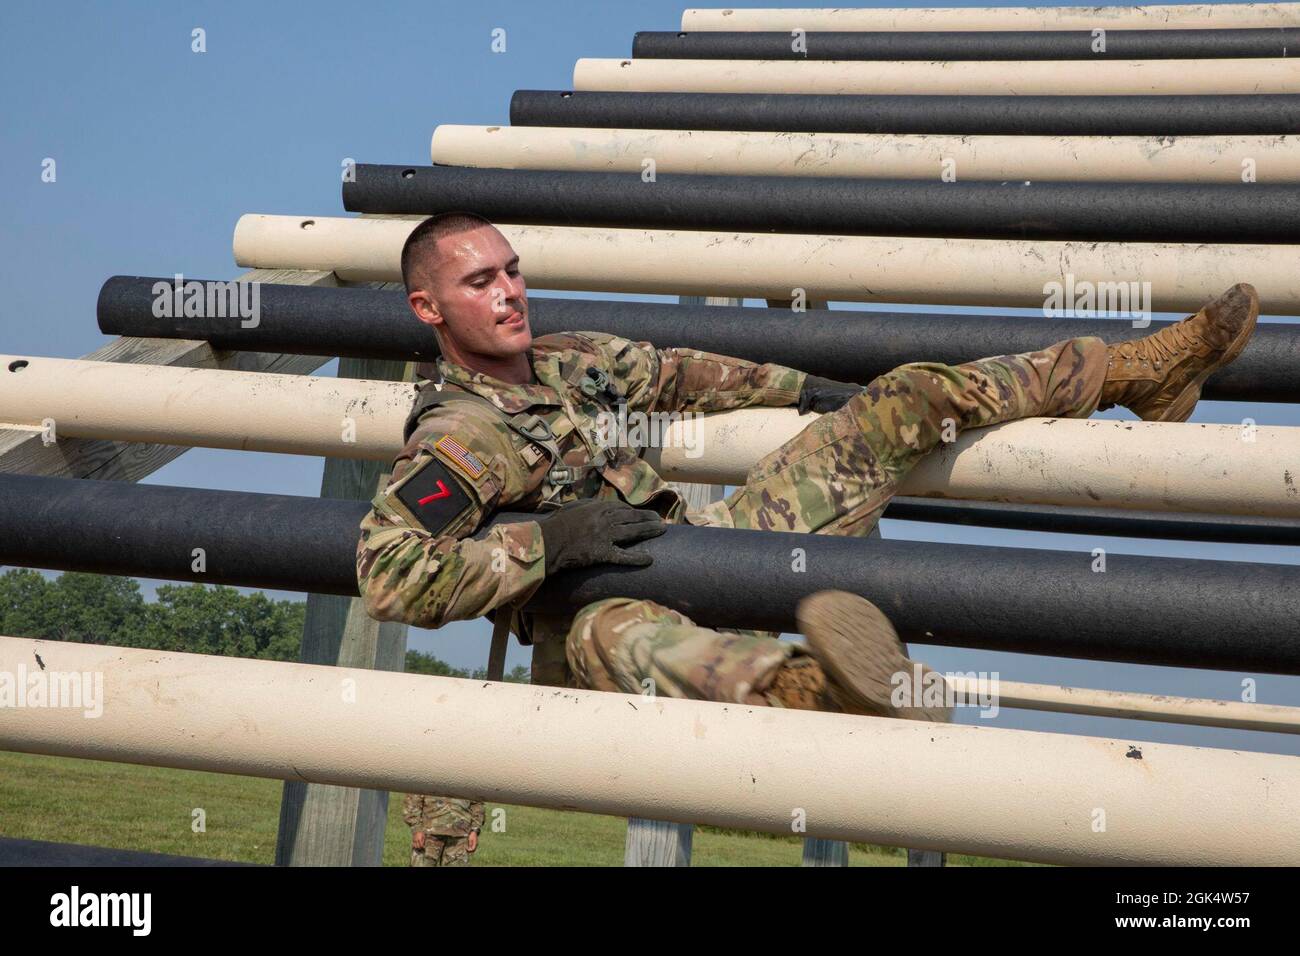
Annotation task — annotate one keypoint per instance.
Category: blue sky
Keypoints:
(159, 150)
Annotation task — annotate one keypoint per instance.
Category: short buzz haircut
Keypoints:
(420, 244)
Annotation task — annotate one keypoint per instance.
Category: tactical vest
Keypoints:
(534, 429)
(537, 431)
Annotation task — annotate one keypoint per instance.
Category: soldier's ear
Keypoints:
(425, 307)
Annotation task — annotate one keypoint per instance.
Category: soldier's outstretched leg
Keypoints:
(837, 476)
(637, 646)
(1159, 377)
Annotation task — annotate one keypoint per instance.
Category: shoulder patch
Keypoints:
(461, 457)
(433, 496)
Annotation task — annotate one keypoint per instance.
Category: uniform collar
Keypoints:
(509, 398)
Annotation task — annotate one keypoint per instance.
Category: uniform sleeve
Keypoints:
(419, 560)
(688, 380)
(411, 807)
(476, 816)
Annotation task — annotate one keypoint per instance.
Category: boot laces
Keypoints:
(1167, 344)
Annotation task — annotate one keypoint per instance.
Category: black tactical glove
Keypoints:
(825, 394)
(590, 531)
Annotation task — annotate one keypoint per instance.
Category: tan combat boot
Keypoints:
(1159, 377)
(854, 653)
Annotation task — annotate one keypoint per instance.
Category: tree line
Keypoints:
(190, 618)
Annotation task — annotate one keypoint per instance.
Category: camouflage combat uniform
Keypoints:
(446, 822)
(463, 464)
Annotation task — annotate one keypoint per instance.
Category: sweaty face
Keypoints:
(478, 297)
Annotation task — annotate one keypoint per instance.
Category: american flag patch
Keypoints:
(461, 456)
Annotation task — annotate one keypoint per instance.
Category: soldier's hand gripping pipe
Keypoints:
(590, 531)
(825, 394)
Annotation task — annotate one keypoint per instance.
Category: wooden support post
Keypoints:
(832, 852)
(23, 452)
(652, 842)
(337, 630)
(657, 843)
(322, 825)
(818, 852)
(496, 666)
(927, 858)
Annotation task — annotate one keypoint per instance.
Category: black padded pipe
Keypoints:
(1198, 115)
(1118, 212)
(298, 320)
(1169, 611)
(283, 542)
(850, 345)
(969, 45)
(1234, 529)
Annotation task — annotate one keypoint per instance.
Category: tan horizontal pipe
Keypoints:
(1183, 276)
(1205, 159)
(1102, 463)
(1190, 16)
(206, 408)
(1022, 795)
(949, 78)
(1202, 712)
(1051, 461)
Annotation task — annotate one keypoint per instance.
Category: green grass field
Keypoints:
(147, 808)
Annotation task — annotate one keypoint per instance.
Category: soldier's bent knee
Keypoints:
(598, 616)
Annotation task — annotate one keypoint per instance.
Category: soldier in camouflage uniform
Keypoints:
(444, 830)
(515, 427)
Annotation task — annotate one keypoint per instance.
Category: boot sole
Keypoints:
(1180, 409)
(860, 652)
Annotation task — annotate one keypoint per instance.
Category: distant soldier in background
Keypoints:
(444, 830)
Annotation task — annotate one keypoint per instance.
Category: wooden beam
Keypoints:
(323, 825)
(23, 452)
(656, 842)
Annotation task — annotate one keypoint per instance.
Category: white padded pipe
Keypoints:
(1204, 159)
(1182, 276)
(1096, 462)
(947, 78)
(1179, 16)
(1022, 795)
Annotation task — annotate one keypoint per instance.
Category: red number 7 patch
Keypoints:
(433, 496)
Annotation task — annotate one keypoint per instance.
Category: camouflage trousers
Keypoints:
(834, 477)
(441, 851)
